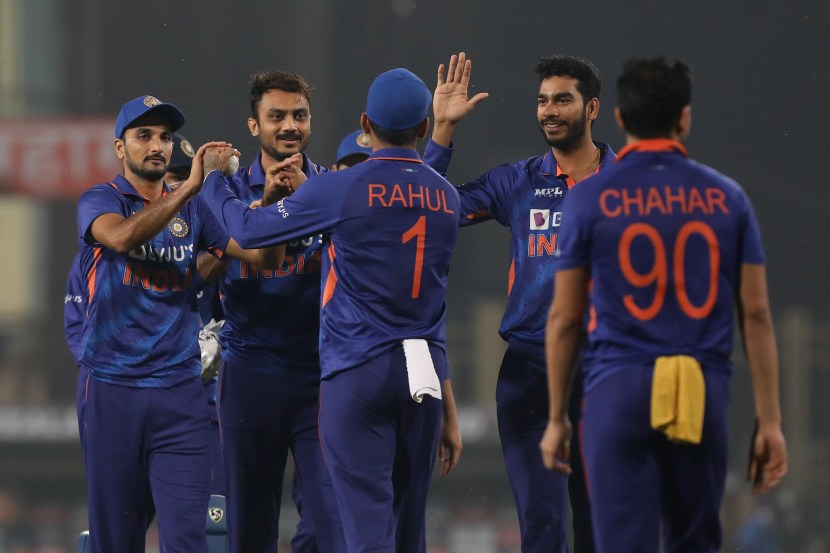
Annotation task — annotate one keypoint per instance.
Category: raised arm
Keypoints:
(450, 102)
(123, 234)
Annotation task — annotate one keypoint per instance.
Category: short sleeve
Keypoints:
(573, 242)
(95, 202)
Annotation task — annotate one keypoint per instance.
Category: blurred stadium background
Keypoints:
(760, 115)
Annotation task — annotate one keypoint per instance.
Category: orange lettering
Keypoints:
(696, 201)
(716, 197)
(379, 195)
(397, 196)
(679, 199)
(603, 203)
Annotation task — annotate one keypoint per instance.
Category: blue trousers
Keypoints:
(146, 450)
(380, 447)
(263, 417)
(639, 479)
(541, 495)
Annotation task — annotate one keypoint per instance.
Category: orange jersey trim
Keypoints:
(652, 145)
(397, 159)
(511, 276)
(331, 279)
(90, 280)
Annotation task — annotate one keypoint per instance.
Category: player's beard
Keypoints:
(270, 146)
(151, 175)
(575, 132)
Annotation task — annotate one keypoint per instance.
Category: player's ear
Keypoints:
(592, 109)
(253, 126)
(364, 124)
(684, 123)
(118, 144)
(618, 118)
(422, 130)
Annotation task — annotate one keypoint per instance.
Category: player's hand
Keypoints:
(556, 445)
(218, 158)
(450, 103)
(449, 445)
(282, 179)
(767, 458)
(197, 170)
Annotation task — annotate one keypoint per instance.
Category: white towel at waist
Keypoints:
(423, 380)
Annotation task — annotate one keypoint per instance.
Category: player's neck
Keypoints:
(579, 162)
(152, 190)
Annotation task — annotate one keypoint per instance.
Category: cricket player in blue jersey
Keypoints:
(527, 197)
(145, 418)
(270, 380)
(671, 248)
(390, 224)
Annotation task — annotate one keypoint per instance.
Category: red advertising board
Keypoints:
(56, 158)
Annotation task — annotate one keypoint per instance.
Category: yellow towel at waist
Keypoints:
(678, 398)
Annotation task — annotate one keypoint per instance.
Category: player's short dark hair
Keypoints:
(651, 95)
(276, 80)
(586, 74)
(396, 138)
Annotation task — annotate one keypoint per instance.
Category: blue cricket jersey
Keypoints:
(141, 323)
(272, 316)
(527, 197)
(664, 238)
(74, 309)
(391, 224)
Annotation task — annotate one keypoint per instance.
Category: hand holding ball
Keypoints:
(233, 166)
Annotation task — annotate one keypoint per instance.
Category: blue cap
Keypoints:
(398, 100)
(142, 105)
(183, 153)
(352, 144)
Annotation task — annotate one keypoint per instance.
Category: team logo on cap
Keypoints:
(178, 227)
(151, 101)
(363, 140)
(216, 514)
(187, 148)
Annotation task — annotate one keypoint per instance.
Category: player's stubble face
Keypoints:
(283, 124)
(147, 149)
(562, 113)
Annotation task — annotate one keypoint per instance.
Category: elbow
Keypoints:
(123, 247)
(564, 322)
(758, 315)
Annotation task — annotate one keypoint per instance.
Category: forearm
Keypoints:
(561, 344)
(762, 357)
(269, 257)
(142, 226)
(449, 407)
(442, 133)
(210, 268)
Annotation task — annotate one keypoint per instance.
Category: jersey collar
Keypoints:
(400, 154)
(550, 167)
(125, 187)
(653, 145)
